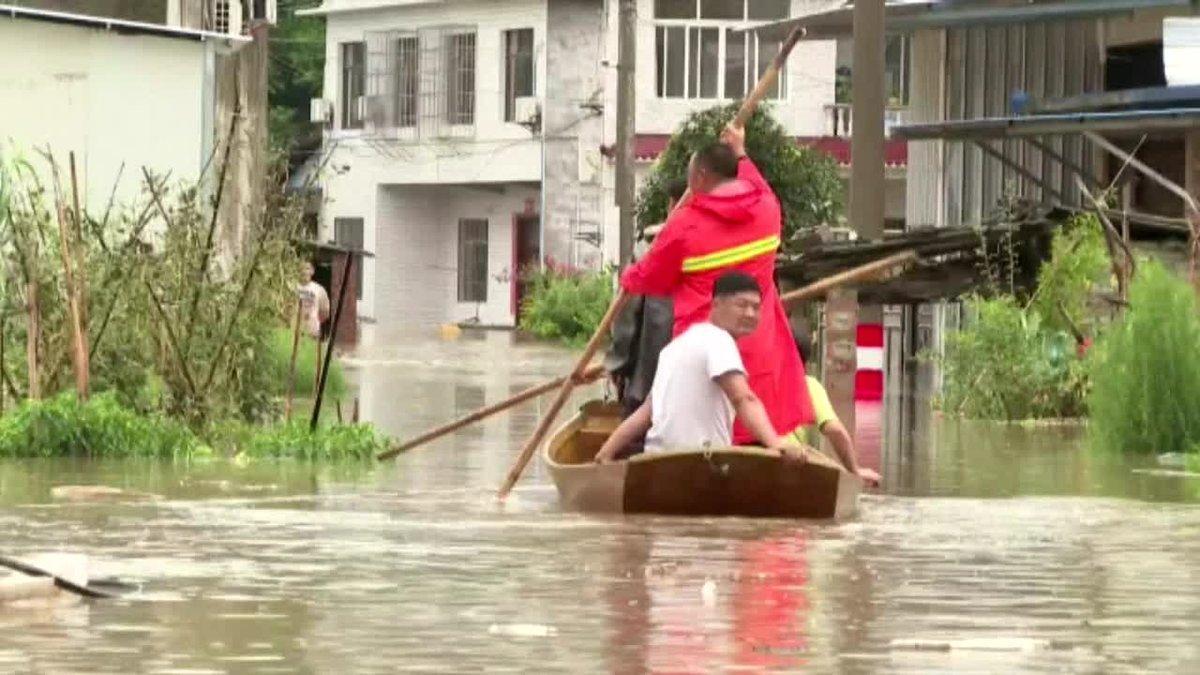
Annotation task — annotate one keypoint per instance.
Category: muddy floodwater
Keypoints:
(989, 549)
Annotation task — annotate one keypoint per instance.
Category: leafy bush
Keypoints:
(101, 427)
(279, 354)
(1006, 365)
(295, 441)
(1146, 393)
(1078, 263)
(564, 305)
(805, 180)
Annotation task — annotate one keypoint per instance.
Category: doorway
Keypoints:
(527, 253)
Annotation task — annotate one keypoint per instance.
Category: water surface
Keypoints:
(990, 549)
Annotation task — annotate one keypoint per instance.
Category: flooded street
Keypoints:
(990, 549)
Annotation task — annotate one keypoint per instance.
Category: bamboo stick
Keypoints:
(862, 272)
(291, 376)
(79, 354)
(592, 372)
(564, 392)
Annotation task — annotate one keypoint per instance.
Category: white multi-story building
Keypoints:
(468, 139)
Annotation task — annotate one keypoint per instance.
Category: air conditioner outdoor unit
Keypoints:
(526, 110)
(320, 111)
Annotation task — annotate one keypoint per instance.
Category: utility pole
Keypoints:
(626, 116)
(866, 149)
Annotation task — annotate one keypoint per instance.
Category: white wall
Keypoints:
(110, 98)
(414, 280)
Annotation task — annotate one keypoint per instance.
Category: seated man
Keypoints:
(826, 421)
(701, 382)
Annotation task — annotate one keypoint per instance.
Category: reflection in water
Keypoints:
(1016, 537)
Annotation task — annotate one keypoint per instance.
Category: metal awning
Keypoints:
(989, 128)
(906, 16)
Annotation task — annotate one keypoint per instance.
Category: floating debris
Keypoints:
(93, 493)
(997, 644)
(524, 630)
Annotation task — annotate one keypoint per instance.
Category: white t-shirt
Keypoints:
(688, 408)
(314, 302)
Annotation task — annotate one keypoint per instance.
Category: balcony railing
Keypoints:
(839, 121)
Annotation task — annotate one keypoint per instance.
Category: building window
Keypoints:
(895, 70)
(460, 73)
(518, 69)
(407, 72)
(348, 232)
(703, 49)
(472, 260)
(354, 75)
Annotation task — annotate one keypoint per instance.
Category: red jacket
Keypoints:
(735, 227)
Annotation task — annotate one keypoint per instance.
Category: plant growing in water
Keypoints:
(1146, 392)
(565, 305)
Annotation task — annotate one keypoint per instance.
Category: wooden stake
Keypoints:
(79, 353)
(33, 336)
(864, 272)
(291, 375)
(592, 373)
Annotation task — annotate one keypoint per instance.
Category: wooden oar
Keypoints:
(862, 272)
(591, 373)
(564, 392)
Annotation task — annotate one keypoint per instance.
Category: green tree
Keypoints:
(296, 75)
(805, 180)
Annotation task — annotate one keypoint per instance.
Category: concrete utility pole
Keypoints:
(626, 196)
(866, 150)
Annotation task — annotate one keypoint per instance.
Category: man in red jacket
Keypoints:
(732, 221)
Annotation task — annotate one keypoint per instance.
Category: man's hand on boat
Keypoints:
(869, 476)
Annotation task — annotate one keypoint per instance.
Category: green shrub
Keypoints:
(101, 427)
(1078, 263)
(805, 180)
(1005, 365)
(279, 354)
(564, 305)
(294, 441)
(1146, 393)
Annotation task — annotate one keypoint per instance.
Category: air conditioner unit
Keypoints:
(526, 110)
(320, 111)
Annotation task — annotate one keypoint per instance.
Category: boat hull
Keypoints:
(723, 482)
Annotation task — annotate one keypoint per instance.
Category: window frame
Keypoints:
(350, 118)
(693, 55)
(472, 250)
(509, 72)
(451, 113)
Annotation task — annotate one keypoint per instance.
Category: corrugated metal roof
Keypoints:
(1134, 121)
(118, 25)
(903, 16)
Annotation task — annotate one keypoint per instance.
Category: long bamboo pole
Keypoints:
(564, 392)
(593, 372)
(863, 272)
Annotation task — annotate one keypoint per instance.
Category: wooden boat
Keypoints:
(731, 481)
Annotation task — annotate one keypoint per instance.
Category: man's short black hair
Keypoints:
(719, 159)
(676, 188)
(732, 283)
(803, 345)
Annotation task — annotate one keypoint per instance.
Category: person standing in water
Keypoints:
(314, 312)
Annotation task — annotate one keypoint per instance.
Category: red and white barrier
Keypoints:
(868, 380)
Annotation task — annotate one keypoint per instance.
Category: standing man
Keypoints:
(314, 311)
(732, 221)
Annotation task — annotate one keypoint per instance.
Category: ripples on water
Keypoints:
(994, 551)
